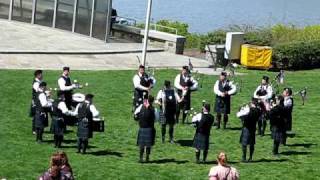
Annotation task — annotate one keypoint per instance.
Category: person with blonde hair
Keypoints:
(223, 171)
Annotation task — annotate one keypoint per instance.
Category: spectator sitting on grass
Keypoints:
(223, 171)
(59, 168)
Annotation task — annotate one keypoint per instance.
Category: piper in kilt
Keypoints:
(35, 88)
(288, 107)
(223, 89)
(142, 83)
(146, 135)
(59, 108)
(185, 84)
(41, 119)
(85, 112)
(168, 100)
(278, 124)
(263, 93)
(249, 116)
(203, 122)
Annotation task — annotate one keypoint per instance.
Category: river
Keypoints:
(207, 15)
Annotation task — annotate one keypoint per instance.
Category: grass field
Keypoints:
(114, 155)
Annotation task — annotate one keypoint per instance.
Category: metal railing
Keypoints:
(158, 27)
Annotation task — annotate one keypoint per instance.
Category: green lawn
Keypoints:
(114, 154)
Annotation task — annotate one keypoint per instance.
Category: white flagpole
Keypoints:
(146, 33)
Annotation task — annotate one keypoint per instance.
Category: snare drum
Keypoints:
(97, 125)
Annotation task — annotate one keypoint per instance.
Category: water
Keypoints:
(207, 15)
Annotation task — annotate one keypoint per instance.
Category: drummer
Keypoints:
(85, 111)
(263, 93)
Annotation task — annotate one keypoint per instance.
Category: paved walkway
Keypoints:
(26, 46)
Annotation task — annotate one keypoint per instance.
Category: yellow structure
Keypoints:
(256, 56)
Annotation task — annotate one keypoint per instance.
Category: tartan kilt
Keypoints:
(58, 126)
(146, 137)
(201, 141)
(222, 105)
(41, 120)
(84, 129)
(278, 135)
(247, 137)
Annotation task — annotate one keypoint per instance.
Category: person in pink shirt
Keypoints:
(223, 171)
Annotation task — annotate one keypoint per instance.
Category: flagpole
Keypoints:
(146, 33)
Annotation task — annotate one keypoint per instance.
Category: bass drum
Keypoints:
(78, 97)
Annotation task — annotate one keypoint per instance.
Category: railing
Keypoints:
(133, 22)
(158, 27)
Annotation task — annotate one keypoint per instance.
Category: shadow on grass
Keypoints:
(69, 141)
(75, 147)
(289, 153)
(48, 141)
(106, 153)
(164, 161)
(185, 143)
(215, 162)
(263, 160)
(234, 128)
(305, 145)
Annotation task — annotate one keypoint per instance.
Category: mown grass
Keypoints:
(114, 154)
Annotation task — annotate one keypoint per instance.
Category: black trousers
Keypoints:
(58, 140)
(182, 106)
(244, 152)
(262, 124)
(163, 131)
(225, 120)
(276, 145)
(83, 144)
(33, 124)
(39, 134)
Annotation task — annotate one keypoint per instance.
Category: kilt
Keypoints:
(247, 137)
(84, 129)
(146, 137)
(222, 105)
(57, 126)
(278, 135)
(186, 103)
(41, 120)
(201, 141)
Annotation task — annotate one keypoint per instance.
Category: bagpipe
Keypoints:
(233, 78)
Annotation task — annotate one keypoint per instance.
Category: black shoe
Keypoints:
(250, 160)
(147, 159)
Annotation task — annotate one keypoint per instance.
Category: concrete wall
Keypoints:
(170, 42)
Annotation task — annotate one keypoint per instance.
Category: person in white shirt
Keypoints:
(288, 107)
(85, 113)
(58, 110)
(263, 93)
(38, 75)
(224, 89)
(65, 86)
(168, 100)
(41, 119)
(184, 84)
(143, 83)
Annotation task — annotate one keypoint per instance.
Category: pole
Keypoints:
(146, 33)
(108, 21)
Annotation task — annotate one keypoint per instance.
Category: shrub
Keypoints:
(300, 54)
